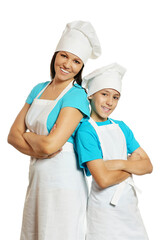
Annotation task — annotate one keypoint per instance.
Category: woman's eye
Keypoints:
(63, 55)
(117, 98)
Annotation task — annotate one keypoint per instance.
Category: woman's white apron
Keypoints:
(113, 213)
(56, 198)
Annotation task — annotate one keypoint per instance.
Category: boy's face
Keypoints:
(103, 103)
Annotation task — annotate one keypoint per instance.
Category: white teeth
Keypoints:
(64, 70)
(106, 109)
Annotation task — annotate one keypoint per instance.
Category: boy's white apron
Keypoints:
(112, 212)
(56, 198)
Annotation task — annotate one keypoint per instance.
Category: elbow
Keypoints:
(46, 147)
(45, 150)
(10, 138)
(42, 148)
(103, 183)
(150, 168)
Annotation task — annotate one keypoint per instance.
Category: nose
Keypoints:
(67, 63)
(109, 101)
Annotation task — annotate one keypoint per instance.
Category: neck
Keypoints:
(56, 83)
(98, 118)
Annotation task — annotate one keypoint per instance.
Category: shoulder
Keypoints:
(86, 129)
(77, 90)
(85, 126)
(121, 124)
(77, 93)
(37, 88)
(132, 143)
(124, 127)
(35, 91)
(76, 97)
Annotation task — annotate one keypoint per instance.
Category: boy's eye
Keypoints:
(76, 61)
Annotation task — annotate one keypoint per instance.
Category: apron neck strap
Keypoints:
(94, 123)
(42, 91)
(70, 85)
(61, 94)
(112, 121)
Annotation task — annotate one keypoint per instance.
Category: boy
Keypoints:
(112, 207)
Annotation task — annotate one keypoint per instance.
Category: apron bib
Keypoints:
(113, 213)
(56, 197)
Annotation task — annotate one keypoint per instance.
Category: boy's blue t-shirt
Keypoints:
(76, 97)
(87, 144)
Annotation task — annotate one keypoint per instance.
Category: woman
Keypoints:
(57, 194)
(112, 208)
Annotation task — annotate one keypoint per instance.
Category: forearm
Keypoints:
(115, 176)
(36, 142)
(18, 142)
(104, 177)
(139, 167)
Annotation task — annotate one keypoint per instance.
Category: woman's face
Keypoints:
(103, 103)
(67, 66)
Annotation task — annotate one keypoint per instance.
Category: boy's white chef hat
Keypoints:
(106, 77)
(80, 39)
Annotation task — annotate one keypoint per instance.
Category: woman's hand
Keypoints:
(15, 136)
(54, 154)
(67, 122)
(33, 139)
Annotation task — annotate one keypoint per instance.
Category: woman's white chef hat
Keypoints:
(80, 39)
(106, 77)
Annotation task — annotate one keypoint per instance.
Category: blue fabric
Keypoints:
(76, 97)
(87, 144)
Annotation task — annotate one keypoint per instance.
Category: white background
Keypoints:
(129, 34)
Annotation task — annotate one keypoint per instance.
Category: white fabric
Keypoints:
(80, 39)
(106, 77)
(112, 212)
(56, 198)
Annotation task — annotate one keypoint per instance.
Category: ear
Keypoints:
(90, 97)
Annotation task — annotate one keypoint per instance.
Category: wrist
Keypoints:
(124, 164)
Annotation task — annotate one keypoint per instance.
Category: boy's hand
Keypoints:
(134, 157)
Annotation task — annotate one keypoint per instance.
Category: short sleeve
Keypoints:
(87, 145)
(131, 142)
(77, 98)
(35, 91)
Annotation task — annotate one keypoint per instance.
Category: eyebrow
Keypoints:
(116, 94)
(78, 59)
(75, 58)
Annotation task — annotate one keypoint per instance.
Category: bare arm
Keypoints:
(15, 137)
(66, 123)
(138, 163)
(104, 177)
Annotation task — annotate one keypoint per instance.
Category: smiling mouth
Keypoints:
(105, 109)
(64, 71)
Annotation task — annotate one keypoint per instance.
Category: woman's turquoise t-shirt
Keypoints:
(87, 144)
(76, 97)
